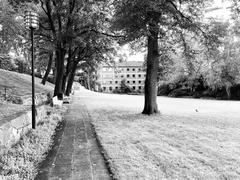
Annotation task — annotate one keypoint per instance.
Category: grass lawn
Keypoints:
(22, 83)
(190, 139)
(22, 86)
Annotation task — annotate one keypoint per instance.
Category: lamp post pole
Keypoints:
(31, 23)
(33, 83)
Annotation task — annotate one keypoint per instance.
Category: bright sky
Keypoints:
(221, 13)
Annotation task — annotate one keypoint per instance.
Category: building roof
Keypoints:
(129, 64)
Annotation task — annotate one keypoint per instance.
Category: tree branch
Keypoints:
(102, 33)
(48, 6)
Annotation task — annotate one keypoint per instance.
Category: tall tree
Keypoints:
(152, 19)
(11, 33)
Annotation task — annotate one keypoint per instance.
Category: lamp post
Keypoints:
(31, 23)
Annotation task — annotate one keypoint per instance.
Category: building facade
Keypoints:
(110, 77)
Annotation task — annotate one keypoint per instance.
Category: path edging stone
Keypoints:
(104, 154)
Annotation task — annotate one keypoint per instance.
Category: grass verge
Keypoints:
(21, 161)
(168, 147)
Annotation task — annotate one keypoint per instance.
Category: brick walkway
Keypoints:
(77, 156)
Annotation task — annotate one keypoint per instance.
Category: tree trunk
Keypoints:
(66, 74)
(71, 79)
(60, 54)
(65, 79)
(70, 64)
(88, 81)
(150, 106)
(49, 66)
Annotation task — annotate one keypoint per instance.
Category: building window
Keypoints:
(110, 82)
(122, 76)
(139, 87)
(110, 88)
(116, 82)
(116, 76)
(139, 69)
(133, 75)
(139, 82)
(128, 82)
(116, 88)
(139, 75)
(128, 75)
(144, 75)
(133, 82)
(104, 88)
(134, 88)
(133, 69)
(127, 69)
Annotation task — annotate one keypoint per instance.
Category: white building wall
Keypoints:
(110, 78)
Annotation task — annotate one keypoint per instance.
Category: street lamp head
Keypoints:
(31, 20)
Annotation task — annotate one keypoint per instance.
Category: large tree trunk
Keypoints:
(49, 66)
(71, 79)
(150, 105)
(60, 54)
(70, 64)
(66, 74)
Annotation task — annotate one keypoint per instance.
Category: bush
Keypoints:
(50, 79)
(164, 90)
(6, 62)
(38, 75)
(22, 65)
(235, 92)
(124, 88)
(116, 91)
(183, 86)
(180, 93)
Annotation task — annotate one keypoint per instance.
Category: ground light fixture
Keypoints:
(31, 22)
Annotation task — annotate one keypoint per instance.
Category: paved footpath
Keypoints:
(77, 156)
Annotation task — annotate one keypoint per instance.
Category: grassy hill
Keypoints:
(22, 86)
(22, 83)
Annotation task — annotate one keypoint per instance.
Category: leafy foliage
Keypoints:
(12, 33)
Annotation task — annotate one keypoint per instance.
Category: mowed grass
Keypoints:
(190, 139)
(22, 85)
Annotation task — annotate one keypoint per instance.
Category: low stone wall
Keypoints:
(39, 99)
(12, 130)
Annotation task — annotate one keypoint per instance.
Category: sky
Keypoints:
(222, 13)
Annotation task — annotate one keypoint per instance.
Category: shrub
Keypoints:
(180, 92)
(164, 90)
(22, 66)
(6, 62)
(124, 88)
(50, 79)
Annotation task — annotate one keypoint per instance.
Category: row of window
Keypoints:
(129, 76)
(133, 69)
(118, 82)
(121, 69)
(116, 88)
